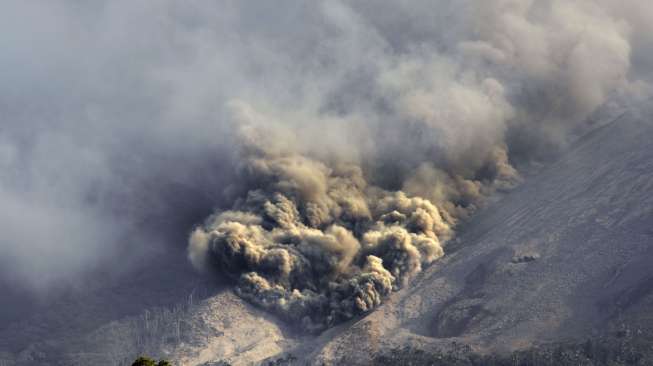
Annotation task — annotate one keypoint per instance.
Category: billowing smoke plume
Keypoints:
(321, 229)
(314, 240)
(338, 143)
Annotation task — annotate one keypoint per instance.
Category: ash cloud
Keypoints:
(346, 194)
(312, 240)
(338, 143)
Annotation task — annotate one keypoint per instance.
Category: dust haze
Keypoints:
(338, 144)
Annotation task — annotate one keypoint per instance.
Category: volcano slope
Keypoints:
(568, 255)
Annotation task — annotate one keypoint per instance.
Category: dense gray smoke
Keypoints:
(313, 240)
(338, 143)
(404, 139)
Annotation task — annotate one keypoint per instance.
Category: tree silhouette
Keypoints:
(146, 361)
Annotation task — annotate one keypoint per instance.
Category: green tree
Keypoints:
(146, 361)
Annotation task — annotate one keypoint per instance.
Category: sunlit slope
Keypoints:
(569, 254)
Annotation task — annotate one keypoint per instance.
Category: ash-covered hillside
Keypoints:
(567, 256)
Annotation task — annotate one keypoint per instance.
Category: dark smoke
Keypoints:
(314, 241)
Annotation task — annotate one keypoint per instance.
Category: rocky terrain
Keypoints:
(566, 256)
